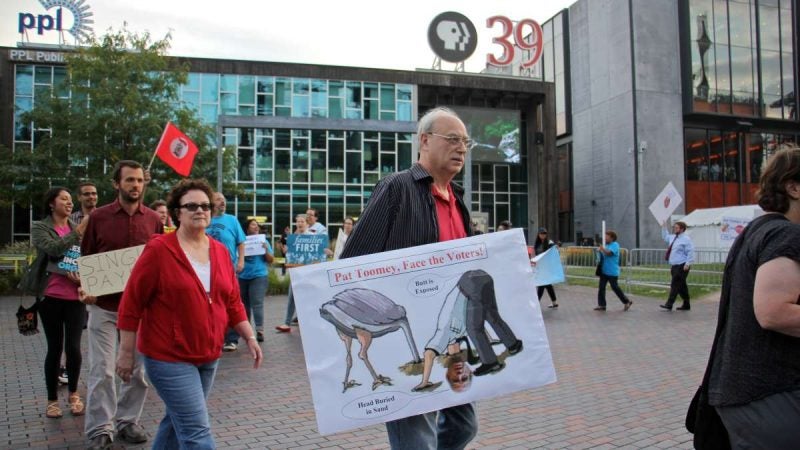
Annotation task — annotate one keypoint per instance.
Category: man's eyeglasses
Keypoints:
(192, 207)
(456, 140)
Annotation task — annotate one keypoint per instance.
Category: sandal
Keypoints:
(76, 405)
(426, 387)
(283, 328)
(53, 411)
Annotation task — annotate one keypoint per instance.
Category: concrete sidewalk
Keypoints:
(624, 381)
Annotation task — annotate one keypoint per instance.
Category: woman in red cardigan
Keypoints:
(179, 300)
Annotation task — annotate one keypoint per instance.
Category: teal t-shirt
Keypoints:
(226, 229)
(255, 266)
(611, 262)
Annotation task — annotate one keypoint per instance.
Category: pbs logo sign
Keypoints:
(452, 37)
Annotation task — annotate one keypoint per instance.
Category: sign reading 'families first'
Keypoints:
(306, 248)
(427, 321)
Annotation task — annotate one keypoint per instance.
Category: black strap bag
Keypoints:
(27, 320)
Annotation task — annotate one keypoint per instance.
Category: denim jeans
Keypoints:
(450, 428)
(103, 403)
(253, 293)
(184, 388)
(290, 309)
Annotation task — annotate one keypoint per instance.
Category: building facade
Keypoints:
(309, 136)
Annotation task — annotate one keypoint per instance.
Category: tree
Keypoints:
(120, 92)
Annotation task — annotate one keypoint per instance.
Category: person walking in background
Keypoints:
(124, 223)
(417, 206)
(181, 296)
(254, 280)
(754, 368)
(341, 239)
(227, 230)
(87, 199)
(609, 272)
(680, 255)
(541, 245)
(301, 227)
(62, 314)
(160, 207)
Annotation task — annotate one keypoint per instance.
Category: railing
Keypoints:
(646, 267)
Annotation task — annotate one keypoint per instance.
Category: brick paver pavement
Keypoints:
(624, 381)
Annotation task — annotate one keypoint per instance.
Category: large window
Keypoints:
(742, 58)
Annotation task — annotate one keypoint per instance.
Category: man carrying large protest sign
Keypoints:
(419, 206)
(124, 223)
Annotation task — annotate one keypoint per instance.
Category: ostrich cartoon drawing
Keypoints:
(365, 314)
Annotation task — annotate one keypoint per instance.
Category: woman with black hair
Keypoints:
(541, 245)
(54, 278)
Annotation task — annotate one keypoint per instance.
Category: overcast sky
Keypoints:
(346, 32)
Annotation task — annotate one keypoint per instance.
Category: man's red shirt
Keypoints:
(448, 216)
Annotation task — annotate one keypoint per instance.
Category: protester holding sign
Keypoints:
(609, 272)
(301, 225)
(341, 239)
(419, 206)
(122, 224)
(541, 245)
(57, 241)
(253, 280)
(181, 297)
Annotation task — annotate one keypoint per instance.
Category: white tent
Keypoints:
(716, 228)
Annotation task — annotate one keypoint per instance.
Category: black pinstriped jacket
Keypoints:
(401, 213)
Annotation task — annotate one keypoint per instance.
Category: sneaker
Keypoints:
(99, 442)
(259, 336)
(230, 347)
(515, 348)
(600, 308)
(132, 433)
(628, 305)
(62, 376)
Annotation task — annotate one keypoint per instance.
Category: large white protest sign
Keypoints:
(254, 244)
(403, 310)
(547, 268)
(731, 228)
(106, 273)
(665, 203)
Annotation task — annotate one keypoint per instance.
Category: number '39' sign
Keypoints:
(516, 32)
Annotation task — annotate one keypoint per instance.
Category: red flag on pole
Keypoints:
(176, 150)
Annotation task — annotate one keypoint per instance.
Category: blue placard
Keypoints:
(306, 248)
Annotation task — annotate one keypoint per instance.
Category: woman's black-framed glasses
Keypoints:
(192, 207)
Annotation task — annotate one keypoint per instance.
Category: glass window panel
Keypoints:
(769, 19)
(193, 82)
(247, 110)
(403, 155)
(773, 107)
(370, 179)
(374, 135)
(43, 75)
(228, 104)
(353, 167)
(335, 177)
(318, 139)
(786, 30)
(283, 138)
(319, 93)
(247, 91)
(404, 91)
(788, 74)
(353, 140)
(371, 109)
(371, 90)
(739, 24)
(192, 100)
(283, 111)
(353, 96)
(404, 111)
(264, 175)
(228, 83)
(246, 137)
(264, 153)
(519, 210)
(246, 164)
(501, 178)
(771, 72)
(210, 88)
(282, 165)
(300, 86)
(387, 115)
(518, 173)
(319, 112)
(387, 163)
(335, 155)
(300, 106)
(299, 176)
(265, 85)
(42, 91)
(370, 155)
(502, 213)
(264, 105)
(263, 200)
(742, 66)
(209, 114)
(387, 142)
(387, 97)
(59, 80)
(335, 108)
(283, 91)
(353, 206)
(335, 134)
(24, 80)
(353, 114)
(720, 27)
(300, 155)
(318, 167)
(335, 88)
(722, 93)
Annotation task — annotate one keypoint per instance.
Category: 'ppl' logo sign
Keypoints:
(81, 26)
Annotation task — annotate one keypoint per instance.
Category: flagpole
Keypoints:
(158, 146)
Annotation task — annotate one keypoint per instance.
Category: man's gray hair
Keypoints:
(425, 124)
